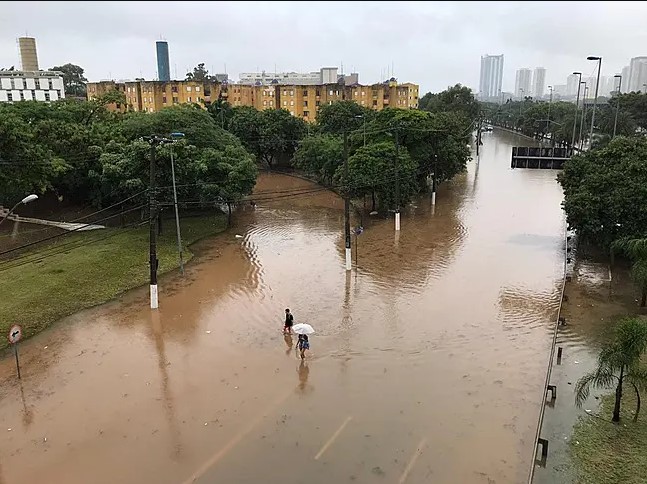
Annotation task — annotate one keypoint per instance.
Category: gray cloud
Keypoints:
(435, 44)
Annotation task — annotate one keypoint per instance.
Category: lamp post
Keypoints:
(24, 201)
(595, 99)
(577, 105)
(175, 136)
(586, 90)
(363, 116)
(615, 122)
(550, 101)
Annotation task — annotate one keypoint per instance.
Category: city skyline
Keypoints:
(123, 47)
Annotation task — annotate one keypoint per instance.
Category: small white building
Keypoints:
(31, 86)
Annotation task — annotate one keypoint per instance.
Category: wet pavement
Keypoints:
(427, 365)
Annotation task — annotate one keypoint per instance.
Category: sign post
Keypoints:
(358, 231)
(15, 335)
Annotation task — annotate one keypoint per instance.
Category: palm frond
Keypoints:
(638, 377)
(601, 378)
(636, 248)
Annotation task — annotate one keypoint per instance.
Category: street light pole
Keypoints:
(153, 262)
(550, 101)
(433, 180)
(27, 199)
(586, 90)
(615, 122)
(595, 99)
(177, 215)
(577, 106)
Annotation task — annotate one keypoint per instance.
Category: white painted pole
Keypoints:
(154, 299)
(349, 265)
(397, 221)
(433, 198)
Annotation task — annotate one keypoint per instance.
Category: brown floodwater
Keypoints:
(427, 365)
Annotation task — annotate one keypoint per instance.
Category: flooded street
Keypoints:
(427, 365)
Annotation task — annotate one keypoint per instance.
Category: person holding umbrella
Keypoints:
(303, 330)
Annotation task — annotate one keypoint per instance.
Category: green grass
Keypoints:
(609, 453)
(37, 294)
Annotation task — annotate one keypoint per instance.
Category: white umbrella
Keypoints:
(303, 328)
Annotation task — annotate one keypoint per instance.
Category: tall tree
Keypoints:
(73, 79)
(199, 74)
(343, 116)
(320, 156)
(618, 364)
(456, 99)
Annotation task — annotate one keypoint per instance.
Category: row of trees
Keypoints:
(407, 144)
(557, 119)
(84, 153)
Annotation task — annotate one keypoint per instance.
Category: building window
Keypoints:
(285, 103)
(197, 88)
(374, 102)
(188, 88)
(285, 93)
(355, 93)
(164, 100)
(306, 114)
(175, 100)
(305, 92)
(318, 92)
(292, 113)
(363, 93)
(173, 88)
(291, 103)
(363, 102)
(264, 103)
(58, 93)
(46, 96)
(22, 96)
(9, 97)
(291, 93)
(50, 84)
(189, 98)
(36, 82)
(317, 103)
(33, 94)
(305, 103)
(330, 92)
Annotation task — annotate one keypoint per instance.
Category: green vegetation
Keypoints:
(636, 249)
(37, 294)
(605, 191)
(619, 365)
(431, 142)
(73, 79)
(607, 453)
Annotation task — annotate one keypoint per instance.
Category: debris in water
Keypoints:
(576, 362)
(587, 410)
(238, 236)
(8, 430)
(45, 348)
(373, 213)
(208, 332)
(206, 423)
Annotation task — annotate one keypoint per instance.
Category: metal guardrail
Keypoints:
(547, 386)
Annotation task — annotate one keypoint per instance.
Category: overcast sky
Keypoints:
(434, 44)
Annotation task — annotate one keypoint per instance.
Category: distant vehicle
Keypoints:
(487, 127)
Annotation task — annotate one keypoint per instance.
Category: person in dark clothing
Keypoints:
(289, 321)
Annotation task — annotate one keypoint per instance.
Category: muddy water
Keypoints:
(427, 364)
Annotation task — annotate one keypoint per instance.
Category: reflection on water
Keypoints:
(439, 335)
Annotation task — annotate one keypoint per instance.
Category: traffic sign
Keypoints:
(15, 334)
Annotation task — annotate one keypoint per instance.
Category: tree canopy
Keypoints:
(73, 79)
(199, 74)
(605, 191)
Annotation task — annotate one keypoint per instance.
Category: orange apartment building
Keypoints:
(300, 100)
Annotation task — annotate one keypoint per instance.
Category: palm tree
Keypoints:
(619, 363)
(636, 249)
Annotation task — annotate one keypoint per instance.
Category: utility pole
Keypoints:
(586, 90)
(615, 122)
(397, 182)
(433, 179)
(577, 106)
(347, 205)
(153, 262)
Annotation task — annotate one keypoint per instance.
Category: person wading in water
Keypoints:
(289, 321)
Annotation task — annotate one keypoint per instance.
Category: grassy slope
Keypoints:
(37, 294)
(608, 453)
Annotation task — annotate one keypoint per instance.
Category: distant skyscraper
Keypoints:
(163, 64)
(522, 83)
(571, 85)
(637, 74)
(625, 79)
(539, 82)
(491, 79)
